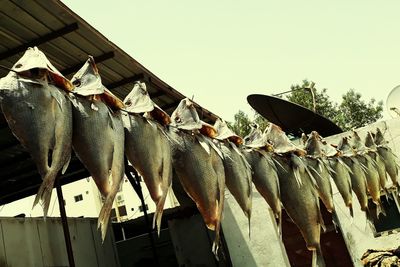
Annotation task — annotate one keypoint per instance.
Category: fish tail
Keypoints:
(44, 193)
(280, 225)
(215, 245)
(248, 217)
(318, 258)
(67, 161)
(159, 212)
(105, 211)
(379, 209)
(351, 210)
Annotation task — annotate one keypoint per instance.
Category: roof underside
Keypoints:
(67, 40)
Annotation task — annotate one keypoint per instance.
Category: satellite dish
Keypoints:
(292, 118)
(393, 102)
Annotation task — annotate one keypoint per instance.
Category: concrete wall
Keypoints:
(35, 242)
(263, 247)
(357, 233)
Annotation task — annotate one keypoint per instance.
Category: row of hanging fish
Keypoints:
(50, 115)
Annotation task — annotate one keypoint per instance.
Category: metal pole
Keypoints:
(64, 222)
(138, 189)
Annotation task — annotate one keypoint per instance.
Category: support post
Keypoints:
(135, 182)
(64, 222)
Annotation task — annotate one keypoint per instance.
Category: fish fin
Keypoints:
(277, 163)
(203, 144)
(317, 258)
(380, 210)
(351, 210)
(44, 193)
(105, 211)
(57, 96)
(211, 143)
(248, 218)
(158, 213)
(66, 164)
(111, 119)
(296, 173)
(279, 224)
(345, 165)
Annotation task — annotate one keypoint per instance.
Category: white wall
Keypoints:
(357, 233)
(90, 205)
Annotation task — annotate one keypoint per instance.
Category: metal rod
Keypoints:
(64, 222)
(291, 90)
(138, 189)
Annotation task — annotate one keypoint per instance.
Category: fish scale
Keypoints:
(200, 170)
(237, 176)
(39, 115)
(147, 148)
(99, 139)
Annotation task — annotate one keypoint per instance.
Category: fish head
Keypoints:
(185, 116)
(369, 140)
(138, 100)
(35, 66)
(328, 149)
(280, 141)
(87, 80)
(255, 138)
(357, 143)
(379, 138)
(224, 132)
(304, 139)
(345, 147)
(313, 145)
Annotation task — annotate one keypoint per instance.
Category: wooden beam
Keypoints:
(124, 81)
(97, 59)
(41, 40)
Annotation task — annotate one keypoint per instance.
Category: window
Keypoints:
(78, 198)
(385, 224)
(113, 215)
(141, 208)
(122, 210)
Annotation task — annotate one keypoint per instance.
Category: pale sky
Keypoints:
(221, 51)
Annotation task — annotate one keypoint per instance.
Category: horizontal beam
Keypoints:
(41, 40)
(97, 59)
(124, 81)
(170, 105)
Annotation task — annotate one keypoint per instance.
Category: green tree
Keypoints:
(303, 95)
(354, 112)
(241, 124)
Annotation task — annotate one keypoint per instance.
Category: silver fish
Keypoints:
(371, 173)
(147, 146)
(237, 169)
(298, 192)
(357, 175)
(318, 164)
(389, 158)
(301, 204)
(265, 179)
(237, 176)
(39, 115)
(99, 138)
(341, 177)
(380, 164)
(198, 165)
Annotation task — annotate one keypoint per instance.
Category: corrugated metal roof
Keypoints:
(67, 40)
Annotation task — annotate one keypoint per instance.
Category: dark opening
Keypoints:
(122, 211)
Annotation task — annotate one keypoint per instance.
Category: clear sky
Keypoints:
(221, 51)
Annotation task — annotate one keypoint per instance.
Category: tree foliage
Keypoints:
(354, 112)
(351, 112)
